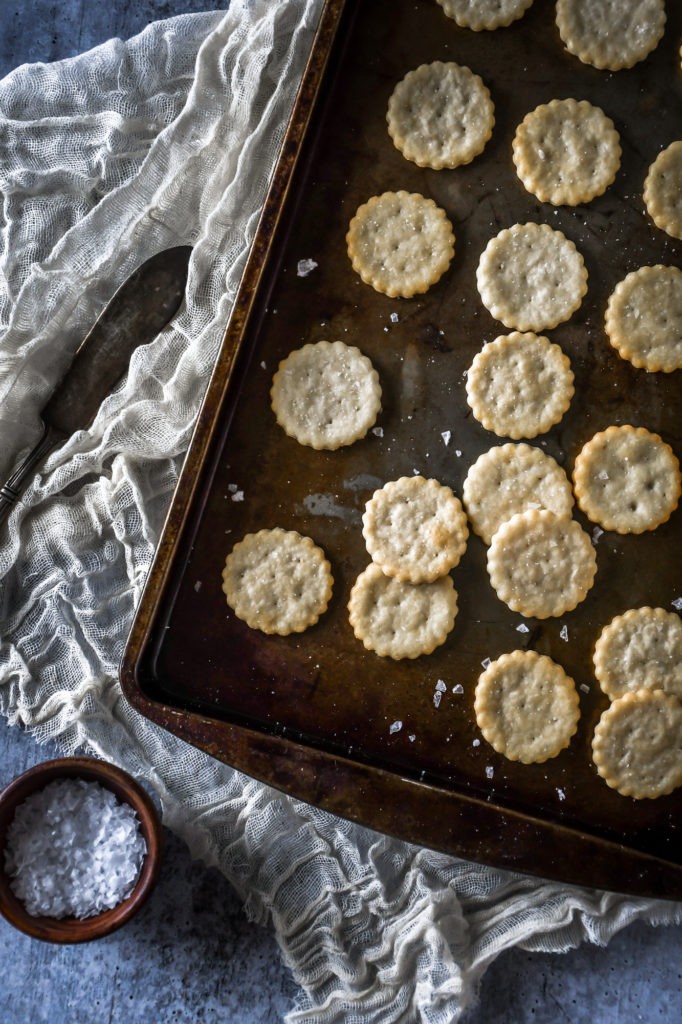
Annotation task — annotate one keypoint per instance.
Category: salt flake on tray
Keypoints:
(395, 726)
(522, 628)
(563, 633)
(446, 435)
(305, 267)
(677, 604)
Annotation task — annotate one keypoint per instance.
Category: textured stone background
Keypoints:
(190, 956)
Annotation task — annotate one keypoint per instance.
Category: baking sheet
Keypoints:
(321, 693)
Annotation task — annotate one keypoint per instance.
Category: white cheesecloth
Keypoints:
(104, 159)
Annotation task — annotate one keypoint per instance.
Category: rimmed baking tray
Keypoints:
(394, 745)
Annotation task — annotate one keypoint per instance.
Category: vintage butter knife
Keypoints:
(141, 307)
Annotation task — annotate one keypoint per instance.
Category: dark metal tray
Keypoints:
(312, 714)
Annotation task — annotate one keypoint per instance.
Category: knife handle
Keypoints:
(14, 485)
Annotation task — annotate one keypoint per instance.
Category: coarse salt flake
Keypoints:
(73, 850)
(458, 688)
(378, 431)
(489, 771)
(305, 267)
(395, 726)
(677, 603)
(238, 496)
(522, 628)
(563, 633)
(446, 435)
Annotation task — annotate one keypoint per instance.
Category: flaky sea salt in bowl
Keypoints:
(80, 845)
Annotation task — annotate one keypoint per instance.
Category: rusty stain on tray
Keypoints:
(314, 714)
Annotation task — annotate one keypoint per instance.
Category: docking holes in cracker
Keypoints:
(513, 478)
(644, 318)
(610, 34)
(541, 564)
(640, 650)
(531, 277)
(481, 15)
(526, 707)
(277, 581)
(326, 395)
(401, 620)
(440, 115)
(627, 479)
(519, 385)
(637, 744)
(415, 529)
(566, 152)
(400, 243)
(663, 190)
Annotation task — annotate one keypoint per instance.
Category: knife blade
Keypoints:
(142, 306)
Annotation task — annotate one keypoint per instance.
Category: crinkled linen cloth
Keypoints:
(104, 159)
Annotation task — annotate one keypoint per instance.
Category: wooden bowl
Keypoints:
(71, 929)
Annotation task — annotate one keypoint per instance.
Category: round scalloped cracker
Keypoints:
(640, 650)
(526, 707)
(610, 34)
(415, 529)
(480, 15)
(277, 581)
(644, 318)
(512, 478)
(566, 152)
(400, 243)
(519, 385)
(401, 620)
(541, 564)
(627, 479)
(440, 115)
(663, 190)
(637, 744)
(531, 277)
(326, 395)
